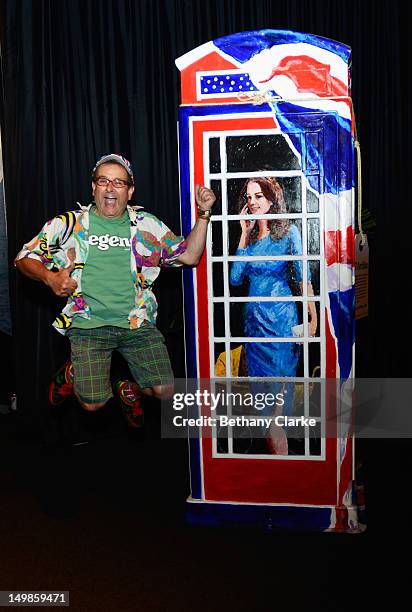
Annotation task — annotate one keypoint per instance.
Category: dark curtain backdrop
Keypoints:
(83, 78)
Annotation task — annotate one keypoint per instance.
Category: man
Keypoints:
(104, 258)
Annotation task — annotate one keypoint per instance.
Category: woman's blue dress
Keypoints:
(270, 319)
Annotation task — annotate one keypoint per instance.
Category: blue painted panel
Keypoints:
(267, 517)
(244, 45)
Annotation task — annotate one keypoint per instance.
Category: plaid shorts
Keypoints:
(91, 353)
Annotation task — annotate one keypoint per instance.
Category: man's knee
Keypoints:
(90, 406)
(163, 391)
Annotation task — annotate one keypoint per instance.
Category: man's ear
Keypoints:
(93, 187)
(130, 192)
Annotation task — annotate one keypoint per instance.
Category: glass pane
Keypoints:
(298, 399)
(296, 440)
(314, 181)
(300, 370)
(219, 319)
(218, 279)
(217, 188)
(234, 190)
(221, 390)
(266, 319)
(315, 440)
(313, 237)
(312, 201)
(317, 307)
(220, 359)
(315, 396)
(244, 443)
(314, 359)
(296, 445)
(214, 155)
(238, 360)
(292, 193)
(310, 306)
(236, 313)
(222, 439)
(260, 152)
(217, 240)
(314, 275)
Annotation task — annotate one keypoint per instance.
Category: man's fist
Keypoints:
(61, 282)
(205, 198)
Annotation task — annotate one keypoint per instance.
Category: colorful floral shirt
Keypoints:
(64, 240)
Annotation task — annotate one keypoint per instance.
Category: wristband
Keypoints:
(203, 214)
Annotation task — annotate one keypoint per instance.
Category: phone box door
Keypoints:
(273, 294)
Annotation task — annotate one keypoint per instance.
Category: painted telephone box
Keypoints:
(266, 121)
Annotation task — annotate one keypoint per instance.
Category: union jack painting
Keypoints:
(271, 106)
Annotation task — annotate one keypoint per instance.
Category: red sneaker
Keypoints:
(131, 399)
(61, 386)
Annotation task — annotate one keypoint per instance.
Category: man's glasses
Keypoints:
(102, 181)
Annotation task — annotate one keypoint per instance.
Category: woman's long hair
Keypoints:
(273, 192)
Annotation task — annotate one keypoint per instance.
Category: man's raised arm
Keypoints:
(196, 240)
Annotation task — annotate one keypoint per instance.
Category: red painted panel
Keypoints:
(213, 61)
(309, 75)
(338, 248)
(248, 480)
(270, 480)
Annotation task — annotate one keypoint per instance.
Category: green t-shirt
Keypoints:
(107, 283)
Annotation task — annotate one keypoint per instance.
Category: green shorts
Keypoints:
(91, 353)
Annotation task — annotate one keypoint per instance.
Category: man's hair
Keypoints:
(115, 158)
(95, 171)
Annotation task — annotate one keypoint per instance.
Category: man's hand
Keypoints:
(196, 240)
(61, 282)
(205, 198)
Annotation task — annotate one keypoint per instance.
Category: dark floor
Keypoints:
(104, 520)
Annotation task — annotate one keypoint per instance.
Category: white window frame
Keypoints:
(226, 299)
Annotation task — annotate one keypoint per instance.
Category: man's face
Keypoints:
(111, 201)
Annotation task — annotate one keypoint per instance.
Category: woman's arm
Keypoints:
(313, 315)
(296, 249)
(237, 269)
